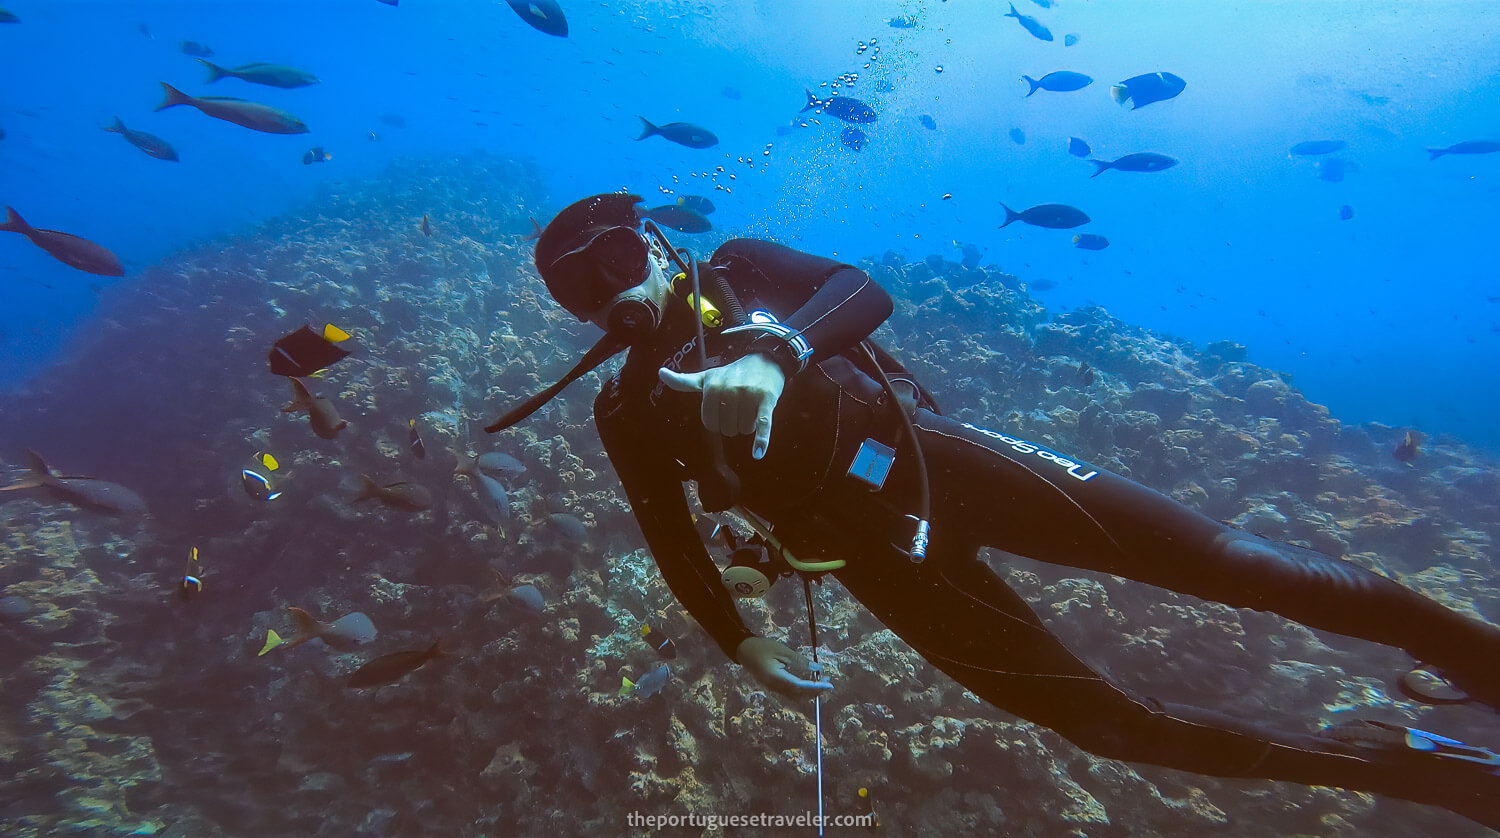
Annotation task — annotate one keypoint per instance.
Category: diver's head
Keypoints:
(592, 253)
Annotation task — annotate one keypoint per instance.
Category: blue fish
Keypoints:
(1056, 216)
(1090, 241)
(902, 22)
(1078, 148)
(682, 133)
(928, 122)
(1030, 24)
(853, 138)
(1346, 212)
(846, 108)
(1314, 147)
(1070, 39)
(1018, 136)
(1146, 161)
(528, 597)
(1144, 89)
(541, 15)
(1470, 147)
(1061, 81)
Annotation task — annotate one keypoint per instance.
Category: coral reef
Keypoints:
(129, 711)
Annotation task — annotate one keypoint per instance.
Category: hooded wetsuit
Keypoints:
(994, 490)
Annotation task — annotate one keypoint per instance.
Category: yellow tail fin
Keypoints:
(626, 685)
(272, 641)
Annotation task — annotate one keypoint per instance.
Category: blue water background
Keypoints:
(1390, 316)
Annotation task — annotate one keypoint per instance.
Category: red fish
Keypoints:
(65, 247)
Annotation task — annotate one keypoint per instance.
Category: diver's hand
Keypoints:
(738, 398)
(770, 663)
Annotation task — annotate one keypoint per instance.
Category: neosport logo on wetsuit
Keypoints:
(1021, 446)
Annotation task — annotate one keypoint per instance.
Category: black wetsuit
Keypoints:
(993, 490)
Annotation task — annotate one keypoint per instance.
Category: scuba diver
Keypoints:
(864, 468)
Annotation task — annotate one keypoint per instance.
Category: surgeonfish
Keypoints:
(83, 492)
(388, 669)
(71, 250)
(659, 641)
(696, 203)
(316, 154)
(528, 597)
(852, 138)
(1078, 148)
(414, 440)
(304, 353)
(679, 218)
(151, 144)
(252, 115)
(1090, 241)
(321, 413)
(1408, 448)
(345, 633)
(191, 583)
(682, 133)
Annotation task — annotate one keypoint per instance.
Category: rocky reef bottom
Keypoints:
(126, 710)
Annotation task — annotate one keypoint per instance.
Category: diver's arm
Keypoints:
(830, 305)
(660, 506)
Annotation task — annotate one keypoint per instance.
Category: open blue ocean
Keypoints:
(1281, 296)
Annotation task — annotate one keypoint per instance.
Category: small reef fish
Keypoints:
(191, 583)
(542, 15)
(864, 794)
(252, 115)
(1061, 81)
(414, 440)
(316, 154)
(149, 143)
(571, 526)
(696, 203)
(528, 597)
(83, 492)
(426, 227)
(1017, 136)
(1409, 448)
(71, 250)
(1090, 241)
(1424, 685)
(971, 257)
(195, 49)
(1145, 161)
(846, 108)
(1144, 89)
(679, 218)
(411, 497)
(650, 684)
(496, 500)
(271, 75)
(682, 133)
(257, 486)
(1070, 39)
(1030, 24)
(928, 122)
(1078, 148)
(1470, 147)
(1312, 148)
(852, 138)
(345, 633)
(1346, 212)
(1056, 216)
(388, 669)
(659, 641)
(304, 353)
(321, 413)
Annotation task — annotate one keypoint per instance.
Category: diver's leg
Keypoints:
(962, 617)
(1034, 503)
